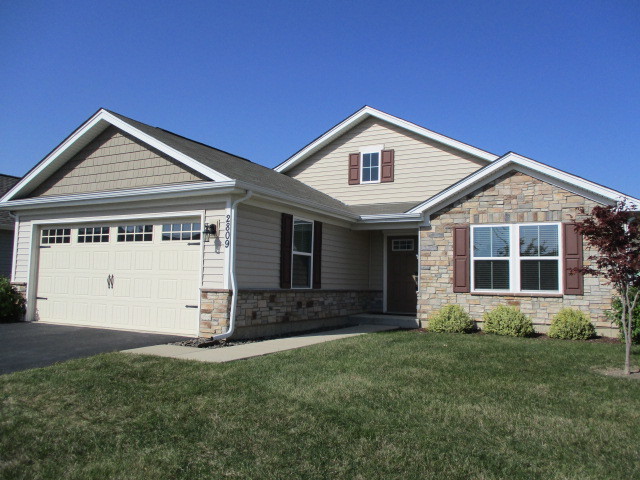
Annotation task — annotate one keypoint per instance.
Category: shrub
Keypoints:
(508, 321)
(11, 302)
(451, 319)
(570, 324)
(615, 314)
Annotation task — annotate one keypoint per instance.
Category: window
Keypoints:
(135, 233)
(516, 258)
(402, 245)
(56, 235)
(539, 257)
(181, 231)
(302, 254)
(93, 235)
(370, 167)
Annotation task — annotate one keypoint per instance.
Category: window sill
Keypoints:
(526, 295)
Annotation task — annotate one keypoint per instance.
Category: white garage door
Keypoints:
(142, 275)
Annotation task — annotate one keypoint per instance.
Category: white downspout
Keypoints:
(232, 268)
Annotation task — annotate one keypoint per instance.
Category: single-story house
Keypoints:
(7, 224)
(129, 226)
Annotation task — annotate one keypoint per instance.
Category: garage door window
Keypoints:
(93, 235)
(181, 231)
(135, 233)
(56, 235)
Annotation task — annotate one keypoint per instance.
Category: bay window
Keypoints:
(516, 258)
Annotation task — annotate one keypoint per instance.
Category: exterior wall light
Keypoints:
(209, 229)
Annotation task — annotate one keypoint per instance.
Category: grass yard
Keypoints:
(388, 405)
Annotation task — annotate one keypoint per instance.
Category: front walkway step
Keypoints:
(256, 349)
(401, 321)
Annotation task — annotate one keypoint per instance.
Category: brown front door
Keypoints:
(402, 274)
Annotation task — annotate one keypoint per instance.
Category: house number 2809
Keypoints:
(227, 232)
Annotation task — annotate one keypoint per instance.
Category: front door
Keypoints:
(402, 274)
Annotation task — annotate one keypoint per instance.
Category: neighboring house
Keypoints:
(129, 226)
(7, 224)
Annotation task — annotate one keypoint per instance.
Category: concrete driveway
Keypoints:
(31, 345)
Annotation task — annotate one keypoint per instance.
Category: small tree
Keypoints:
(615, 233)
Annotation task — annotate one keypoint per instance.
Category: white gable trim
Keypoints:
(85, 134)
(367, 112)
(513, 161)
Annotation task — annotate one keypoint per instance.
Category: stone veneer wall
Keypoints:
(270, 312)
(512, 198)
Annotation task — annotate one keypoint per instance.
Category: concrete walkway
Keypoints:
(256, 349)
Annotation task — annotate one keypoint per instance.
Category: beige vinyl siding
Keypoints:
(213, 262)
(345, 253)
(345, 258)
(6, 252)
(258, 248)
(23, 249)
(376, 256)
(422, 167)
(113, 161)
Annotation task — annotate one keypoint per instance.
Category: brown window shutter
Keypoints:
(317, 254)
(572, 242)
(387, 166)
(286, 229)
(354, 168)
(461, 259)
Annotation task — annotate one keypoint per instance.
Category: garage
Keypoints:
(141, 275)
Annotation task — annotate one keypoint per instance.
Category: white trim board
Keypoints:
(87, 132)
(362, 115)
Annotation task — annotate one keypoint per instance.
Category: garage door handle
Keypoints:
(191, 306)
(42, 298)
(110, 281)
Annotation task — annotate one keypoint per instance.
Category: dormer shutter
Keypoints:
(354, 168)
(387, 166)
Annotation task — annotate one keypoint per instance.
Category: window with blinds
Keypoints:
(516, 258)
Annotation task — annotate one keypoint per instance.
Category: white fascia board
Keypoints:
(87, 132)
(361, 115)
(526, 165)
(137, 194)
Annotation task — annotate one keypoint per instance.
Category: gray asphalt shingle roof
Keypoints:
(237, 168)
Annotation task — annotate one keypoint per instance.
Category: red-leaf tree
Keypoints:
(614, 231)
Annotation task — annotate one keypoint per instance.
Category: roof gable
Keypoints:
(541, 171)
(84, 135)
(115, 160)
(368, 112)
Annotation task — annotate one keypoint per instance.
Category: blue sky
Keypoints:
(556, 81)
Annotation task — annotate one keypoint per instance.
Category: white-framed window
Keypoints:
(370, 167)
(135, 233)
(93, 235)
(516, 258)
(302, 253)
(181, 231)
(402, 245)
(52, 236)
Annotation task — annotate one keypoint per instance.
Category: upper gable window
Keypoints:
(371, 167)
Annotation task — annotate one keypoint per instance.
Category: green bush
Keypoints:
(451, 319)
(11, 302)
(508, 321)
(615, 314)
(570, 324)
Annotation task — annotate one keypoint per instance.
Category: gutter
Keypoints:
(232, 268)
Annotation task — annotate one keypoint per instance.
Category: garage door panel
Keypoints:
(153, 281)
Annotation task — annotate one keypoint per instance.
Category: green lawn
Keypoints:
(389, 405)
